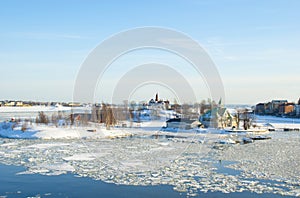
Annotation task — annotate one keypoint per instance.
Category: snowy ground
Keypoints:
(33, 109)
(62, 132)
(6, 113)
(279, 122)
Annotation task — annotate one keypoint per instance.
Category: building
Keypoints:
(182, 123)
(10, 104)
(73, 104)
(219, 117)
(19, 104)
(286, 108)
(275, 106)
(158, 103)
(268, 108)
(260, 108)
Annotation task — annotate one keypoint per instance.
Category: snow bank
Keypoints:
(13, 130)
(279, 122)
(33, 109)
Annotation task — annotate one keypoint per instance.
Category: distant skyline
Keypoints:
(255, 45)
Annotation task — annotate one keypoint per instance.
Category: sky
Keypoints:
(255, 45)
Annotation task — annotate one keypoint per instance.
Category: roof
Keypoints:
(279, 101)
(287, 104)
(180, 120)
(218, 111)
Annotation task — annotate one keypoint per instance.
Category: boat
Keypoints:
(226, 141)
(260, 137)
(253, 130)
(247, 140)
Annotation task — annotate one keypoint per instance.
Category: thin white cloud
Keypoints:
(269, 27)
(46, 36)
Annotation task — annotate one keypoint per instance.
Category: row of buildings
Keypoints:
(279, 108)
(19, 103)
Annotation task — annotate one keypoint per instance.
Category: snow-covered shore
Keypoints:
(33, 131)
(33, 109)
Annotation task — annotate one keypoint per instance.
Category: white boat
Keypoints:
(253, 130)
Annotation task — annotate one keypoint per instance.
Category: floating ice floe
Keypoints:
(266, 166)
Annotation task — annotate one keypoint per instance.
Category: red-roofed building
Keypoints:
(286, 108)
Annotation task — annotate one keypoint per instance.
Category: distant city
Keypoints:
(20, 103)
(280, 108)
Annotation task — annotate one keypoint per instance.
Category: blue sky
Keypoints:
(254, 44)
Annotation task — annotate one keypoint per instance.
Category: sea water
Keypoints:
(35, 185)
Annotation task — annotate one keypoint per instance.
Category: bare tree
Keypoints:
(246, 117)
(24, 127)
(94, 113)
(185, 110)
(110, 119)
(202, 106)
(177, 107)
(42, 118)
(126, 109)
(85, 119)
(131, 116)
(103, 113)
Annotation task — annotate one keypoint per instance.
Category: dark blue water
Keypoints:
(12, 185)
